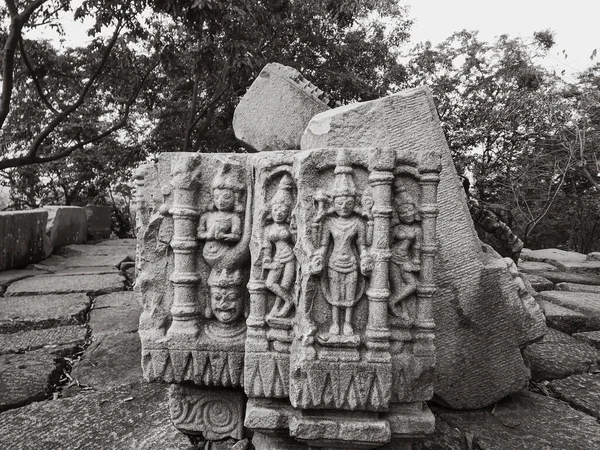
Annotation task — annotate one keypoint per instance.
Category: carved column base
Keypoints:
(214, 414)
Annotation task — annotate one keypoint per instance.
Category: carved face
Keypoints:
(406, 213)
(280, 212)
(226, 303)
(344, 205)
(224, 199)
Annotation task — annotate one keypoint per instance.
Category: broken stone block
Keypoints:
(539, 283)
(535, 267)
(526, 421)
(99, 221)
(552, 255)
(583, 302)
(26, 378)
(589, 337)
(579, 266)
(42, 311)
(66, 225)
(580, 391)
(558, 276)
(560, 356)
(60, 338)
(23, 238)
(274, 112)
(574, 287)
(567, 320)
(67, 284)
(482, 314)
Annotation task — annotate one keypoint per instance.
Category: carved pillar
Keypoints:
(185, 309)
(424, 331)
(380, 180)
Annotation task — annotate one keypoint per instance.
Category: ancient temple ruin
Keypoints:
(290, 294)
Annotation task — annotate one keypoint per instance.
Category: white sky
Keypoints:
(576, 24)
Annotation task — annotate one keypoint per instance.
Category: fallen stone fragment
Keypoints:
(567, 320)
(445, 437)
(557, 358)
(66, 225)
(26, 378)
(108, 362)
(97, 260)
(579, 266)
(582, 392)
(99, 270)
(584, 302)
(275, 110)
(51, 264)
(10, 276)
(115, 313)
(23, 238)
(574, 287)
(589, 337)
(571, 277)
(42, 311)
(50, 338)
(67, 284)
(594, 256)
(526, 421)
(539, 283)
(535, 267)
(122, 418)
(552, 255)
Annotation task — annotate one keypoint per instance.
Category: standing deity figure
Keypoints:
(406, 252)
(280, 264)
(342, 248)
(222, 226)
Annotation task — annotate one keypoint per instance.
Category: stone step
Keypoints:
(579, 266)
(68, 337)
(538, 283)
(10, 276)
(27, 377)
(567, 320)
(559, 355)
(115, 313)
(525, 421)
(583, 302)
(42, 311)
(535, 267)
(552, 255)
(122, 418)
(558, 276)
(574, 287)
(580, 391)
(67, 284)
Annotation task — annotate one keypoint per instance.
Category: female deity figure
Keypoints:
(343, 244)
(223, 225)
(281, 265)
(406, 253)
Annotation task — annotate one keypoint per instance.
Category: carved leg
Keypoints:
(348, 330)
(408, 305)
(335, 320)
(287, 281)
(349, 287)
(401, 287)
(272, 283)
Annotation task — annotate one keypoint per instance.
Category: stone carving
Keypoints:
(290, 293)
(341, 239)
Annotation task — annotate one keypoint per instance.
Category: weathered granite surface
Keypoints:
(580, 391)
(560, 356)
(539, 283)
(275, 110)
(66, 284)
(584, 302)
(25, 378)
(66, 225)
(121, 418)
(51, 338)
(22, 238)
(567, 320)
(526, 421)
(481, 318)
(571, 277)
(44, 311)
(115, 313)
(574, 287)
(579, 266)
(552, 255)
(589, 337)
(534, 267)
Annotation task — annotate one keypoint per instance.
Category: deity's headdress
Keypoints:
(227, 178)
(403, 197)
(343, 184)
(283, 195)
(225, 278)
